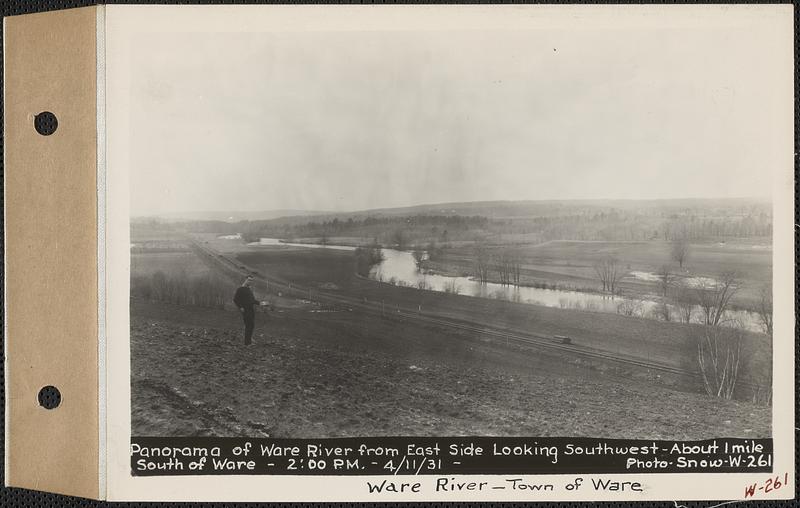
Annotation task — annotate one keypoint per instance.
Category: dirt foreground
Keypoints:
(314, 374)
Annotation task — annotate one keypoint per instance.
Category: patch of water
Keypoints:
(400, 268)
(700, 281)
(691, 281)
(645, 276)
(276, 241)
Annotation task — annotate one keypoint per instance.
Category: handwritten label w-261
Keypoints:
(770, 484)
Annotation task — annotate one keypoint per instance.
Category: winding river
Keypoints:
(400, 268)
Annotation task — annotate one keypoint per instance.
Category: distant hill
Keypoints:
(488, 209)
(523, 209)
(539, 221)
(512, 209)
(231, 216)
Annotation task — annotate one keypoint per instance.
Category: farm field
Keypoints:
(163, 250)
(146, 264)
(312, 374)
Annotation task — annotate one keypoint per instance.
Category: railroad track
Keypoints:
(238, 269)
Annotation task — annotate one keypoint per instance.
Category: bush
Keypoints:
(719, 355)
(367, 257)
(730, 362)
(629, 307)
(452, 287)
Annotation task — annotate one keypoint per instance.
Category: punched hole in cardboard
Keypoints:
(45, 123)
(49, 397)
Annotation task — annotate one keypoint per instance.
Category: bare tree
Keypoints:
(719, 353)
(609, 272)
(399, 238)
(419, 257)
(500, 264)
(516, 267)
(663, 311)
(452, 287)
(433, 250)
(159, 286)
(665, 278)
(507, 264)
(763, 394)
(481, 262)
(765, 308)
(680, 250)
(714, 297)
(685, 301)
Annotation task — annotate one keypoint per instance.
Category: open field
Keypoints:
(569, 264)
(312, 374)
(168, 262)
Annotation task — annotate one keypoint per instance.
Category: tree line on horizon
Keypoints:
(604, 225)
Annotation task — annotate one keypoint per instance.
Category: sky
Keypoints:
(354, 120)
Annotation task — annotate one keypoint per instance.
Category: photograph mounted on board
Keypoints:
(545, 232)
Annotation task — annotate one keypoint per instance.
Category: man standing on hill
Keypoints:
(246, 302)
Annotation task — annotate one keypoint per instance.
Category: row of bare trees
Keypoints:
(508, 265)
(742, 223)
(482, 263)
(710, 298)
(609, 272)
(506, 262)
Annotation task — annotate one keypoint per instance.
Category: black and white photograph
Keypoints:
(561, 231)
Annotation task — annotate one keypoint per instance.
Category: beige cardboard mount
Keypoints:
(51, 302)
